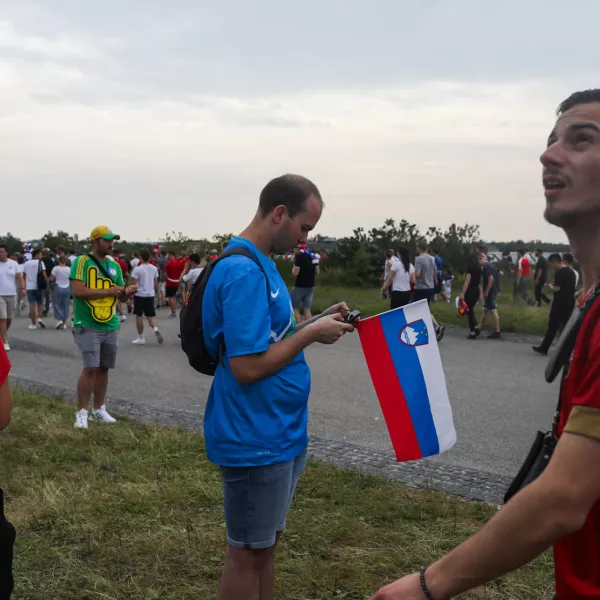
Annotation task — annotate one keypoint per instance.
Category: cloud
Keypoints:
(433, 112)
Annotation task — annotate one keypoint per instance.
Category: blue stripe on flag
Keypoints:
(409, 372)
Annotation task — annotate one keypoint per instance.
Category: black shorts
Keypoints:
(172, 292)
(424, 295)
(144, 306)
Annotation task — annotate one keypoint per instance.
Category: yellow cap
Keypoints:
(102, 231)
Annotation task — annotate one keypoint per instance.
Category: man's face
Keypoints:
(3, 255)
(291, 232)
(571, 175)
(104, 247)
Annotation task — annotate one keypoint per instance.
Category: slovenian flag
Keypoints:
(405, 365)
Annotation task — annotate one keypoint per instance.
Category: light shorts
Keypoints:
(7, 307)
(257, 500)
(98, 347)
(162, 287)
(302, 296)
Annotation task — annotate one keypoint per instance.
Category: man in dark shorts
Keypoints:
(426, 281)
(490, 288)
(173, 271)
(97, 284)
(561, 508)
(303, 292)
(145, 277)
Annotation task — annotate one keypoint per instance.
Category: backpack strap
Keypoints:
(237, 251)
(100, 267)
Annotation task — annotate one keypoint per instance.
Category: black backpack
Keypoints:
(190, 318)
(42, 282)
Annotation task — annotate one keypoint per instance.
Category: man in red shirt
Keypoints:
(173, 270)
(523, 272)
(561, 508)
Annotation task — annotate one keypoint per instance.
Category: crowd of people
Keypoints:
(256, 418)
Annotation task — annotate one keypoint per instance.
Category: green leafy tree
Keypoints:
(13, 244)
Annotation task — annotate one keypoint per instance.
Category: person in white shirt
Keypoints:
(135, 261)
(145, 277)
(31, 270)
(9, 275)
(402, 275)
(390, 259)
(62, 292)
(196, 267)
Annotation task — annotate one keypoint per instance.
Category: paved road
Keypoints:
(498, 394)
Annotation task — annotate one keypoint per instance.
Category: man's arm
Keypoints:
(253, 367)
(553, 506)
(341, 308)
(295, 271)
(490, 284)
(21, 282)
(6, 403)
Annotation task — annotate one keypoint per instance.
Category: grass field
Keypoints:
(518, 319)
(133, 511)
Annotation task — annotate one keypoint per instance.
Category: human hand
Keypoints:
(341, 308)
(23, 292)
(116, 290)
(131, 290)
(407, 588)
(330, 329)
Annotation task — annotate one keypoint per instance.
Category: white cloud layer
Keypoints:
(155, 116)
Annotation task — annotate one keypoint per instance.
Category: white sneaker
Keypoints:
(81, 419)
(173, 316)
(102, 415)
(32, 327)
(6, 346)
(41, 324)
(59, 325)
(122, 318)
(140, 339)
(159, 337)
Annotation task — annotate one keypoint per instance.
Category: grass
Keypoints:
(133, 511)
(516, 319)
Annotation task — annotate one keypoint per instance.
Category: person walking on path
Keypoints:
(62, 292)
(425, 282)
(563, 303)
(490, 286)
(540, 278)
(400, 278)
(255, 423)
(9, 294)
(145, 277)
(472, 293)
(36, 280)
(97, 284)
(561, 508)
(523, 272)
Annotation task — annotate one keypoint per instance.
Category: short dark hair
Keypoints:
(584, 97)
(163, 252)
(36, 251)
(389, 253)
(291, 191)
(522, 251)
(172, 252)
(195, 257)
(568, 257)
(4, 246)
(435, 250)
(539, 250)
(555, 257)
(145, 254)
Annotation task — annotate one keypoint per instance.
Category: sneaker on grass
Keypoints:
(81, 419)
(102, 415)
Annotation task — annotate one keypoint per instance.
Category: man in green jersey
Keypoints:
(97, 283)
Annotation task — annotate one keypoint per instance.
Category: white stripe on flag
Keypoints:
(435, 380)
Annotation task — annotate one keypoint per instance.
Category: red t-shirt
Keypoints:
(577, 556)
(4, 364)
(524, 267)
(123, 266)
(173, 270)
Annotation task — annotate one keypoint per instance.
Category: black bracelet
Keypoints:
(424, 585)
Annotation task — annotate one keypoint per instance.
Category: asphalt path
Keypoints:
(497, 391)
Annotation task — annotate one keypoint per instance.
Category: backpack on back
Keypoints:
(190, 320)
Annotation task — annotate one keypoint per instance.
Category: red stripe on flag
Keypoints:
(389, 391)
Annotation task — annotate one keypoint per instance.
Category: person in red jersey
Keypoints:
(561, 508)
(173, 271)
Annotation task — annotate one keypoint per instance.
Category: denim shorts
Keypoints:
(35, 296)
(257, 500)
(490, 303)
(303, 297)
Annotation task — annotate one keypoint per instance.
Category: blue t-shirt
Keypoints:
(439, 265)
(264, 422)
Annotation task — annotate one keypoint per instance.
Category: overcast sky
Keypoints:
(151, 116)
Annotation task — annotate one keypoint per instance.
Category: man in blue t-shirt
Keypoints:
(256, 417)
(439, 267)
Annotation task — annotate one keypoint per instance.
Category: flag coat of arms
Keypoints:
(406, 368)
